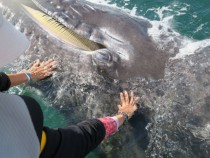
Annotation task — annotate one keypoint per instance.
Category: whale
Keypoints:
(103, 50)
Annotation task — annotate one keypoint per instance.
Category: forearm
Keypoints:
(111, 124)
(17, 79)
(38, 71)
(121, 119)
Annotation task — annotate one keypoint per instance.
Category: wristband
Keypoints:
(125, 116)
(28, 75)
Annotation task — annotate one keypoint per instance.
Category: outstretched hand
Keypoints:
(128, 103)
(40, 70)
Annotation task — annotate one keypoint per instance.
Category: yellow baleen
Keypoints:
(60, 31)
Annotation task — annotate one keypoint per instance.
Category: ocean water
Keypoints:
(190, 18)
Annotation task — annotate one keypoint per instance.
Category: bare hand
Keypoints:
(128, 104)
(40, 70)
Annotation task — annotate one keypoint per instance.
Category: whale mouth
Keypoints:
(59, 31)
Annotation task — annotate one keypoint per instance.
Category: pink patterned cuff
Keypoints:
(110, 125)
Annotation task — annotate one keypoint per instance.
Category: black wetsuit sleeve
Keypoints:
(76, 141)
(4, 82)
(81, 138)
(35, 113)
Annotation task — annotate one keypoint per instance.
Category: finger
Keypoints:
(36, 63)
(42, 64)
(122, 99)
(47, 67)
(119, 107)
(50, 69)
(132, 98)
(126, 96)
(50, 64)
(49, 61)
(48, 74)
(53, 64)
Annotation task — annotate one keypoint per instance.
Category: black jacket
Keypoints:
(72, 142)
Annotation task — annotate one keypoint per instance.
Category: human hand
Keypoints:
(40, 70)
(128, 104)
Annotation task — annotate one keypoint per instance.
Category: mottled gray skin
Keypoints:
(181, 118)
(176, 106)
(129, 51)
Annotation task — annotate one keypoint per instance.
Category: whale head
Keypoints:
(114, 42)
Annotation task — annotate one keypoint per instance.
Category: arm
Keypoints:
(38, 71)
(17, 78)
(93, 132)
(125, 112)
(78, 140)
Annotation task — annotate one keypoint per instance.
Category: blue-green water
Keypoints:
(190, 17)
